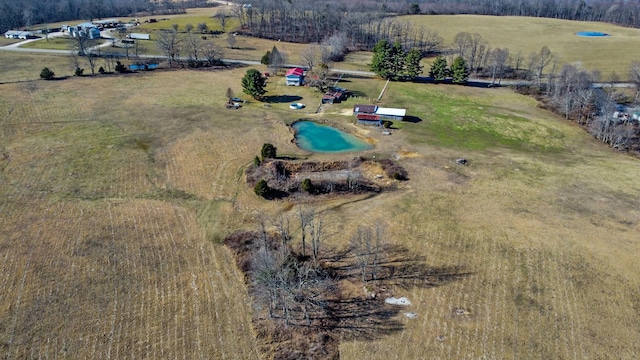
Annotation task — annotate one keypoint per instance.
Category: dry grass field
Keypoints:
(23, 66)
(606, 54)
(116, 191)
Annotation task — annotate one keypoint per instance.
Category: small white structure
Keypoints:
(139, 36)
(391, 113)
(398, 301)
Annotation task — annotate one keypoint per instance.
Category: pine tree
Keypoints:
(439, 70)
(459, 71)
(253, 83)
(413, 68)
(396, 60)
(380, 62)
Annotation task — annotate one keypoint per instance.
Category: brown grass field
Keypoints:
(116, 191)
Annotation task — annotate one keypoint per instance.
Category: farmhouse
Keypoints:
(391, 113)
(294, 77)
(17, 34)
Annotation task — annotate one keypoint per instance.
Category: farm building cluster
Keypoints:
(373, 115)
(88, 29)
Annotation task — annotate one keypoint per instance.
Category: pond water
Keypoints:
(316, 137)
(591, 33)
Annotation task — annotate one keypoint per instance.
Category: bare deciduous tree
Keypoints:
(169, 44)
(497, 62)
(231, 40)
(223, 19)
(309, 55)
(189, 28)
(193, 46)
(213, 53)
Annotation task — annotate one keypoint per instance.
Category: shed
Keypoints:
(364, 109)
(331, 97)
(391, 113)
(369, 119)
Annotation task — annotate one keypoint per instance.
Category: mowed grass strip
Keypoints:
(528, 34)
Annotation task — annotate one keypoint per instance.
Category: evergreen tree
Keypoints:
(459, 71)
(266, 58)
(46, 74)
(380, 63)
(396, 61)
(413, 68)
(439, 70)
(276, 60)
(268, 151)
(253, 83)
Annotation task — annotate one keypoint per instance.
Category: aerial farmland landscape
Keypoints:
(302, 180)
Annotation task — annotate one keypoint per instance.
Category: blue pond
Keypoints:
(326, 139)
(591, 33)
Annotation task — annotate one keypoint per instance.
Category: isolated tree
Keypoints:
(202, 27)
(189, 28)
(439, 70)
(413, 68)
(337, 46)
(308, 56)
(169, 44)
(253, 83)
(175, 27)
(268, 151)
(222, 17)
(47, 74)
(459, 71)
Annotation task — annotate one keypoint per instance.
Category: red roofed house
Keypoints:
(295, 76)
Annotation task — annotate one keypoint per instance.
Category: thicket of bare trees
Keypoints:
(302, 286)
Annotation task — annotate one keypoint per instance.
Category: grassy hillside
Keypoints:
(114, 201)
(607, 54)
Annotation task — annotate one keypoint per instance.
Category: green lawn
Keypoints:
(58, 43)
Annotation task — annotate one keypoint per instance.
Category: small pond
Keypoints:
(320, 138)
(591, 33)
